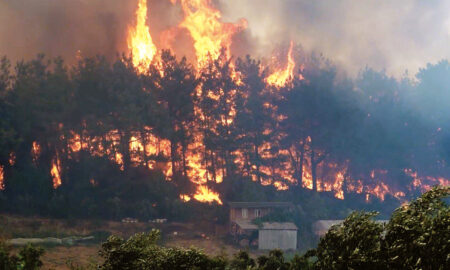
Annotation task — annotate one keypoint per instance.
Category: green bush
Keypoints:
(416, 237)
(27, 259)
(418, 234)
(242, 261)
(142, 252)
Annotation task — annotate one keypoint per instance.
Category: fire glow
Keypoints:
(211, 37)
(2, 178)
(56, 172)
(140, 41)
(281, 77)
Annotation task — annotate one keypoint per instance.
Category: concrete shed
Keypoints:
(276, 235)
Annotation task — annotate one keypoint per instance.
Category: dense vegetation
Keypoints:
(416, 237)
(82, 117)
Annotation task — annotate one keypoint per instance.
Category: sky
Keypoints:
(394, 35)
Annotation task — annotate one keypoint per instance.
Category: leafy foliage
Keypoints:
(355, 244)
(416, 237)
(142, 252)
(28, 258)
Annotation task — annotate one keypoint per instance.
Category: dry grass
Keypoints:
(57, 258)
(203, 235)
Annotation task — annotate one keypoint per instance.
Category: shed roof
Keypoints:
(259, 204)
(246, 225)
(278, 226)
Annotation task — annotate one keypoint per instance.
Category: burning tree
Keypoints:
(207, 125)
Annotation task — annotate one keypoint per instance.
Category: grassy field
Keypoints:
(203, 235)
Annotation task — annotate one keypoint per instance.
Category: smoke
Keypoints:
(383, 34)
(64, 27)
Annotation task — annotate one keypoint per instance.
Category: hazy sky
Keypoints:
(385, 34)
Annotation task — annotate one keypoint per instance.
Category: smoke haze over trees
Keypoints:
(391, 35)
(95, 136)
(80, 119)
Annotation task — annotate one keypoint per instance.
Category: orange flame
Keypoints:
(281, 77)
(210, 34)
(204, 194)
(12, 158)
(119, 160)
(337, 186)
(56, 172)
(140, 41)
(2, 178)
(35, 151)
(425, 183)
(185, 198)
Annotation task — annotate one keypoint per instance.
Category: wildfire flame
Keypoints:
(185, 198)
(281, 77)
(204, 194)
(140, 42)
(2, 178)
(210, 35)
(12, 158)
(35, 151)
(56, 172)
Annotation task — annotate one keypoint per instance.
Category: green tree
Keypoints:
(242, 261)
(275, 260)
(142, 252)
(254, 121)
(354, 244)
(28, 258)
(418, 234)
(217, 102)
(175, 83)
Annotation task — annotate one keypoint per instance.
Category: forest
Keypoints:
(101, 138)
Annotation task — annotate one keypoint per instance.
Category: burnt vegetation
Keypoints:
(101, 139)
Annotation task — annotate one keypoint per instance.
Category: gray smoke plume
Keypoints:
(393, 35)
(384, 34)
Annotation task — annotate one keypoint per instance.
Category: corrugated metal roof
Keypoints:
(246, 225)
(278, 226)
(259, 204)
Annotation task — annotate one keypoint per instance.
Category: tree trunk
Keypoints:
(173, 153)
(257, 163)
(183, 152)
(313, 170)
(300, 166)
(125, 145)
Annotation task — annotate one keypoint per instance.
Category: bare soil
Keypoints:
(203, 235)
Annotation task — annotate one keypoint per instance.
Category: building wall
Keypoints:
(236, 213)
(277, 239)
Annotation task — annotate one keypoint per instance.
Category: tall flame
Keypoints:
(210, 35)
(56, 172)
(281, 77)
(2, 178)
(35, 151)
(140, 41)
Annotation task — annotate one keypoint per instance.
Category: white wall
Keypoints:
(280, 239)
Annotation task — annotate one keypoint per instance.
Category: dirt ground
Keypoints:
(208, 237)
